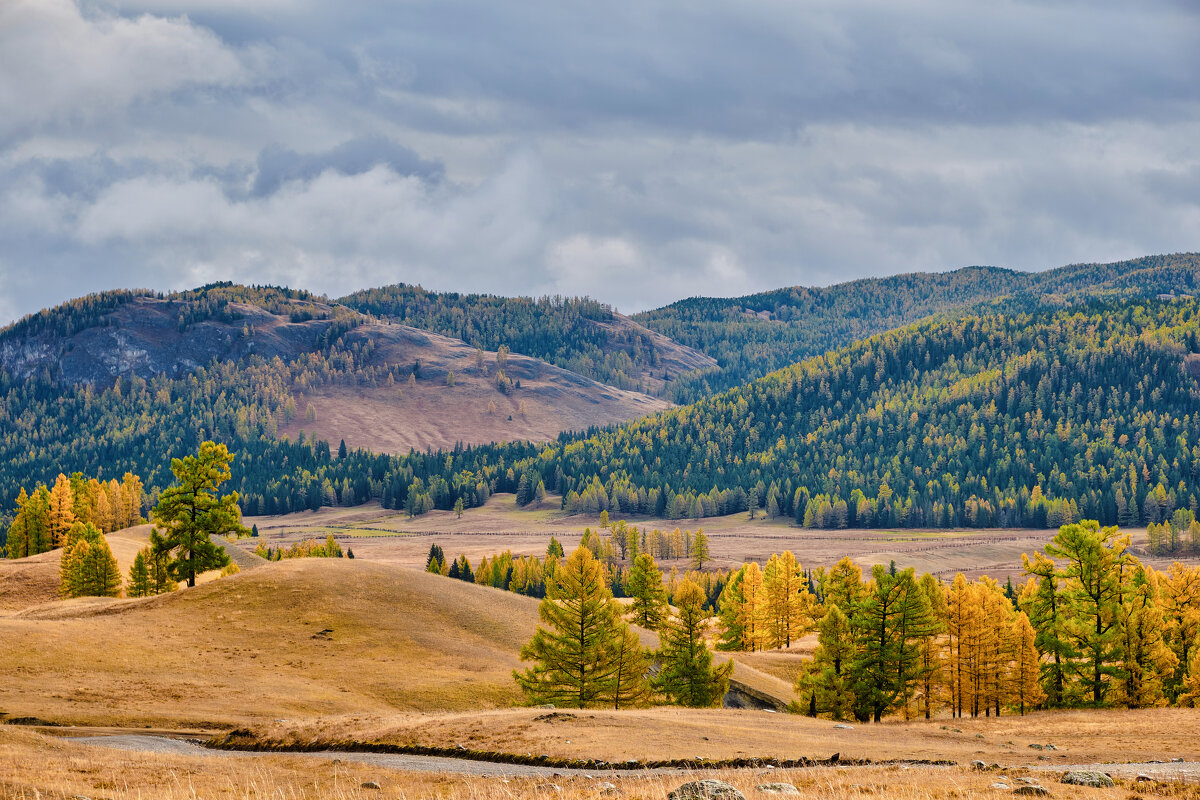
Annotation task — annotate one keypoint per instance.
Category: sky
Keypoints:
(635, 152)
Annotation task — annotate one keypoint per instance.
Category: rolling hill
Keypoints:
(274, 642)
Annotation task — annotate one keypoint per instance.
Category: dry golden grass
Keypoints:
(720, 734)
(251, 647)
(32, 766)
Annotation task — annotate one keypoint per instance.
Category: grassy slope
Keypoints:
(251, 648)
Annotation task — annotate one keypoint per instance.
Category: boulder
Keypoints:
(782, 789)
(1032, 790)
(607, 789)
(706, 790)
(1035, 747)
(978, 765)
(1086, 777)
(371, 785)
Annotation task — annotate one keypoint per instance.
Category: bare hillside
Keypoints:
(436, 410)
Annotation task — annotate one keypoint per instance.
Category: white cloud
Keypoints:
(56, 64)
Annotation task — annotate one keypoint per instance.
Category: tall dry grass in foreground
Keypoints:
(34, 767)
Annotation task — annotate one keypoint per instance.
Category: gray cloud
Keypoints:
(636, 153)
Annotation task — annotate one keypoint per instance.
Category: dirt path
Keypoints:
(459, 766)
(1186, 771)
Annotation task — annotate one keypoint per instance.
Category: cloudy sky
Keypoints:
(636, 152)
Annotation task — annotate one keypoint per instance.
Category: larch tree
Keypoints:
(700, 554)
(61, 510)
(1025, 686)
(582, 645)
(743, 610)
(191, 512)
(789, 605)
(88, 567)
(1180, 593)
(687, 675)
(1146, 657)
(649, 606)
(1042, 600)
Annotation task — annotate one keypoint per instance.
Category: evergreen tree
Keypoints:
(158, 564)
(649, 607)
(687, 675)
(139, 576)
(192, 512)
(889, 624)
(582, 645)
(1042, 600)
(88, 567)
(827, 680)
(555, 549)
(1094, 559)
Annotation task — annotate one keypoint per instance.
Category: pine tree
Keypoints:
(88, 567)
(687, 676)
(1042, 600)
(139, 575)
(555, 549)
(582, 645)
(649, 607)
(192, 513)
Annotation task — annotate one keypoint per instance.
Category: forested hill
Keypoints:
(756, 334)
(575, 333)
(1004, 419)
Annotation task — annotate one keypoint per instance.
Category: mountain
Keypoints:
(138, 334)
(575, 333)
(753, 335)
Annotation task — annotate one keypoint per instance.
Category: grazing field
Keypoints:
(294, 639)
(386, 535)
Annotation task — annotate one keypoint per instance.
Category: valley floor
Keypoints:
(386, 535)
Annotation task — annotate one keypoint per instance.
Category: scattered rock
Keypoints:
(546, 705)
(371, 785)
(1027, 781)
(557, 716)
(1084, 777)
(1002, 786)
(1032, 790)
(833, 759)
(607, 789)
(841, 726)
(706, 790)
(547, 787)
(1051, 747)
(1143, 778)
(978, 765)
(979, 736)
(784, 789)
(1176, 760)
(1035, 747)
